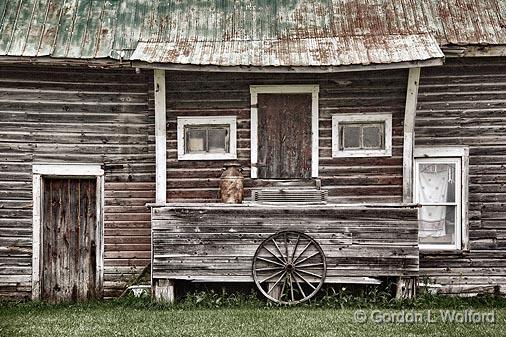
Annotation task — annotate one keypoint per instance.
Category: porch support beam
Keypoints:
(164, 291)
(409, 134)
(160, 137)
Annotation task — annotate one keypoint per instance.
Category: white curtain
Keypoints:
(433, 182)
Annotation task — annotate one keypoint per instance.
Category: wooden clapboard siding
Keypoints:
(217, 242)
(347, 179)
(464, 103)
(51, 114)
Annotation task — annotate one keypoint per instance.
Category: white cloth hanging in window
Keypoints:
(433, 182)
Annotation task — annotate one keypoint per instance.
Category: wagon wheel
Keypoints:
(289, 267)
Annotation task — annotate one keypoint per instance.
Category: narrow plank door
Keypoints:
(69, 248)
(284, 136)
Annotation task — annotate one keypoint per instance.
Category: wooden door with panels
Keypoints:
(68, 250)
(284, 136)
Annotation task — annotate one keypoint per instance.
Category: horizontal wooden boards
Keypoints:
(462, 103)
(216, 94)
(218, 242)
(76, 115)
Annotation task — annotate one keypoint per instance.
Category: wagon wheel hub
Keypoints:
(289, 267)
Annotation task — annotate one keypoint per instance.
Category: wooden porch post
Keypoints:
(409, 134)
(160, 137)
(163, 290)
(406, 286)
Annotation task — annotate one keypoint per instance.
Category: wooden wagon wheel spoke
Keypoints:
(306, 281)
(268, 269)
(303, 251)
(273, 275)
(286, 249)
(310, 265)
(270, 261)
(299, 286)
(306, 258)
(279, 250)
(310, 273)
(270, 252)
(282, 280)
(277, 282)
(295, 247)
(291, 287)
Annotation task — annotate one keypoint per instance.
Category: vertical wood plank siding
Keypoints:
(69, 228)
(347, 179)
(76, 115)
(464, 103)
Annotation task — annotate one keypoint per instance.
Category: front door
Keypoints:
(69, 224)
(284, 136)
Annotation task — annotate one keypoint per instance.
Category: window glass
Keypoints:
(218, 140)
(362, 136)
(437, 224)
(195, 140)
(351, 137)
(438, 190)
(437, 183)
(207, 139)
(373, 136)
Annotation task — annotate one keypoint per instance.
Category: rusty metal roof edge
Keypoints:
(106, 62)
(290, 69)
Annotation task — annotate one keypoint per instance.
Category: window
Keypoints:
(439, 190)
(361, 135)
(206, 138)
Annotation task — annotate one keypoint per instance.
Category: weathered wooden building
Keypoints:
(372, 131)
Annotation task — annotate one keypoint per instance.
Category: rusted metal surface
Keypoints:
(331, 51)
(250, 32)
(232, 184)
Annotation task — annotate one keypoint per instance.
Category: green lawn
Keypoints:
(113, 319)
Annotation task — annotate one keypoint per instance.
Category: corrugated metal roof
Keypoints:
(306, 52)
(88, 29)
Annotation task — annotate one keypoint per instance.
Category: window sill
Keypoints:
(208, 156)
(362, 154)
(443, 250)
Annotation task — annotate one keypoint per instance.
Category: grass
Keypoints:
(213, 314)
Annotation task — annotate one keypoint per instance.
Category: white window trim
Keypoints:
(231, 121)
(461, 153)
(362, 117)
(64, 170)
(312, 89)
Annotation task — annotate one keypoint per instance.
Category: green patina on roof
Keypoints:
(88, 29)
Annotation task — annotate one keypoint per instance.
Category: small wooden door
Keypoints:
(69, 224)
(284, 136)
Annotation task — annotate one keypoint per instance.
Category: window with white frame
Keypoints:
(439, 189)
(206, 138)
(361, 135)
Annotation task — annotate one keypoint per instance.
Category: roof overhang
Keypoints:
(329, 54)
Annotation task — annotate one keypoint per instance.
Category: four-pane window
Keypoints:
(206, 138)
(361, 135)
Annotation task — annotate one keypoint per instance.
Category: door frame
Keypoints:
(64, 170)
(312, 89)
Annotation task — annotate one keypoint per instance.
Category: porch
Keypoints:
(217, 242)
